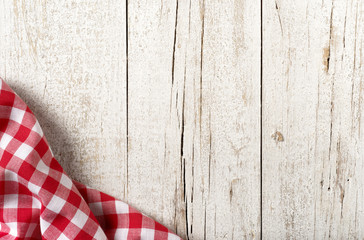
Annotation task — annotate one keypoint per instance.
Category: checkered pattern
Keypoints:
(39, 201)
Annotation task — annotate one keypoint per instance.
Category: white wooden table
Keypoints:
(220, 119)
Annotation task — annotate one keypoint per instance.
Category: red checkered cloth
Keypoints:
(39, 201)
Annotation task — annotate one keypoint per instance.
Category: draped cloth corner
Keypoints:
(38, 200)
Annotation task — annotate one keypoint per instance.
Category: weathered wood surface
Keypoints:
(312, 93)
(159, 104)
(65, 60)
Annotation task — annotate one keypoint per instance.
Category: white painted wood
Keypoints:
(312, 94)
(225, 168)
(193, 118)
(67, 60)
(153, 143)
(158, 104)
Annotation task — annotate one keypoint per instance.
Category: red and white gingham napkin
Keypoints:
(39, 201)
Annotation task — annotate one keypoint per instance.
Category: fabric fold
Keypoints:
(38, 200)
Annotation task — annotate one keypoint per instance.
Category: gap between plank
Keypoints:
(261, 119)
(127, 97)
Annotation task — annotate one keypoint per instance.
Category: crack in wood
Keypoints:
(328, 53)
(201, 61)
(174, 41)
(279, 17)
(331, 123)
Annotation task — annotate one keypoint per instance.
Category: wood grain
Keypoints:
(67, 61)
(225, 172)
(312, 94)
(193, 118)
(174, 106)
(154, 169)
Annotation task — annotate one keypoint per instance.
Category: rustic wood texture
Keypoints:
(193, 116)
(219, 119)
(67, 60)
(312, 95)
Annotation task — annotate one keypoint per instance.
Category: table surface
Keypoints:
(220, 119)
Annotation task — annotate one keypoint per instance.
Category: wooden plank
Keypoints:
(153, 166)
(226, 167)
(312, 139)
(193, 116)
(67, 60)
